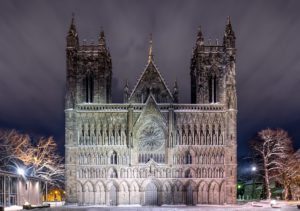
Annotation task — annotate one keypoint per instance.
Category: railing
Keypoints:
(138, 107)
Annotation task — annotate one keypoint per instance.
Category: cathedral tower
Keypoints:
(213, 70)
(89, 70)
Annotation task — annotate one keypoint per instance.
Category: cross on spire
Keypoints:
(150, 56)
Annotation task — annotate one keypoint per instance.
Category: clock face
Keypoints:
(151, 137)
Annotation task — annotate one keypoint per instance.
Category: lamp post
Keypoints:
(253, 170)
(21, 172)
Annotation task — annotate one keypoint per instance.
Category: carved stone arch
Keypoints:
(100, 190)
(222, 192)
(134, 186)
(213, 192)
(88, 192)
(214, 70)
(100, 186)
(111, 183)
(178, 192)
(134, 193)
(123, 192)
(202, 192)
(191, 183)
(112, 172)
(157, 183)
(167, 190)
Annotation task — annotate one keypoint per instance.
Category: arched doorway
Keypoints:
(113, 196)
(151, 194)
(189, 195)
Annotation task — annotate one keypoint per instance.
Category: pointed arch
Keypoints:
(88, 192)
(134, 193)
(213, 192)
(178, 192)
(124, 193)
(202, 192)
(167, 193)
(100, 192)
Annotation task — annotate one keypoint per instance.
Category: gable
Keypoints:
(150, 110)
(152, 82)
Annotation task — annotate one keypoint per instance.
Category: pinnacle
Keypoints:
(150, 56)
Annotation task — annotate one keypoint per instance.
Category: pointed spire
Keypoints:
(228, 29)
(101, 39)
(72, 29)
(228, 20)
(126, 92)
(200, 38)
(101, 32)
(72, 37)
(175, 92)
(229, 37)
(150, 56)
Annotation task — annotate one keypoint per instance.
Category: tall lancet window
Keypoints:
(89, 87)
(212, 89)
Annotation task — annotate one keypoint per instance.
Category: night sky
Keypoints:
(33, 61)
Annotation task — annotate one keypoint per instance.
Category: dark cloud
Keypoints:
(32, 55)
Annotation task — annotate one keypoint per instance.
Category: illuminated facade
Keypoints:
(150, 150)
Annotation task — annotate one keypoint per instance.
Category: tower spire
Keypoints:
(150, 56)
(72, 37)
(101, 39)
(229, 36)
(72, 29)
(200, 37)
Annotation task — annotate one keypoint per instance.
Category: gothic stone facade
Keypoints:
(150, 150)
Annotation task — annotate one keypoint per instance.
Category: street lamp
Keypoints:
(253, 169)
(21, 172)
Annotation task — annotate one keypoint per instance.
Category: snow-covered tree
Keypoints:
(10, 142)
(41, 159)
(271, 148)
(288, 173)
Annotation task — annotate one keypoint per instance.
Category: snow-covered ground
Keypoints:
(245, 207)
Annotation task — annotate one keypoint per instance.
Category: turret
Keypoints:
(72, 55)
(72, 37)
(212, 69)
(175, 92)
(126, 92)
(229, 37)
(89, 70)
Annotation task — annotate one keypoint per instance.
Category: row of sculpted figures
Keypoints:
(115, 192)
(102, 137)
(198, 135)
(145, 172)
(104, 157)
(198, 156)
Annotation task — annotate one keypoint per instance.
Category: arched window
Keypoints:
(212, 83)
(89, 87)
(113, 158)
(188, 158)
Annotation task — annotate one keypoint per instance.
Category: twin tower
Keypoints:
(150, 149)
(89, 71)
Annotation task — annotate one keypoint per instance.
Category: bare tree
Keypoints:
(41, 159)
(288, 173)
(270, 149)
(10, 142)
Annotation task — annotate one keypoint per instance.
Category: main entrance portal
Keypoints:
(113, 196)
(151, 194)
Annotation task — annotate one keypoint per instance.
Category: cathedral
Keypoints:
(150, 149)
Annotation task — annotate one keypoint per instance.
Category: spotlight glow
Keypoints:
(21, 171)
